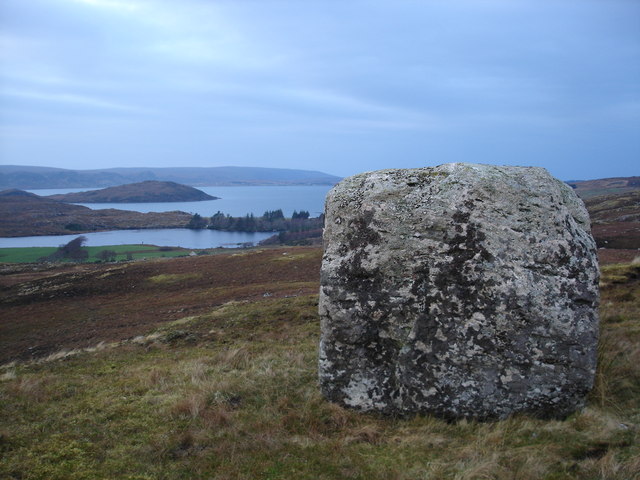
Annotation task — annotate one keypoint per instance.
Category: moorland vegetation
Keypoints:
(215, 376)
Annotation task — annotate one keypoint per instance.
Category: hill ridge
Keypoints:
(148, 191)
(34, 177)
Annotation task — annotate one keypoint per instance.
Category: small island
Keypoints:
(150, 191)
(25, 214)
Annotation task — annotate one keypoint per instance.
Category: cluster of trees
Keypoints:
(306, 237)
(107, 255)
(248, 223)
(197, 222)
(75, 251)
(302, 214)
(71, 251)
(270, 221)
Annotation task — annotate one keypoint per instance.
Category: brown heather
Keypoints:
(230, 392)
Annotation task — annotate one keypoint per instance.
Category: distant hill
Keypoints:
(143, 192)
(604, 186)
(23, 214)
(618, 207)
(614, 208)
(31, 177)
(615, 220)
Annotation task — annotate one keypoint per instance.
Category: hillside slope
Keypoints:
(149, 191)
(615, 220)
(208, 369)
(605, 186)
(89, 303)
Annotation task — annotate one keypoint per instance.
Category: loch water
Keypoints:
(165, 237)
(235, 201)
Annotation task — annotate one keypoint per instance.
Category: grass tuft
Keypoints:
(171, 278)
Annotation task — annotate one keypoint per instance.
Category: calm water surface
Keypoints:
(236, 201)
(169, 237)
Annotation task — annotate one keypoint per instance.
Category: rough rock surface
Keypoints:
(464, 291)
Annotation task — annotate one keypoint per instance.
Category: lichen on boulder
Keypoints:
(463, 291)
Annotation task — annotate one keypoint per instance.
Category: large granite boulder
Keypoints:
(463, 290)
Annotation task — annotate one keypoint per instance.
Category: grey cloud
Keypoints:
(390, 83)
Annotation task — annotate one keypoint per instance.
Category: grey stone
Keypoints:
(463, 291)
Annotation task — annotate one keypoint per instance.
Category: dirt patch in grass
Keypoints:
(45, 310)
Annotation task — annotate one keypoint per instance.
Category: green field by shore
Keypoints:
(123, 252)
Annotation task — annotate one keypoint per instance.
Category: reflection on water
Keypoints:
(179, 237)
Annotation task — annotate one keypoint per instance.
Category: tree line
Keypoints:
(270, 221)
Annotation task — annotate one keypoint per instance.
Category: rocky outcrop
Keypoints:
(464, 291)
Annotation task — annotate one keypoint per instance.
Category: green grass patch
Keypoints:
(123, 252)
(25, 254)
(165, 278)
(233, 394)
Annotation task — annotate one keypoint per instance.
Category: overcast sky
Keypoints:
(341, 86)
